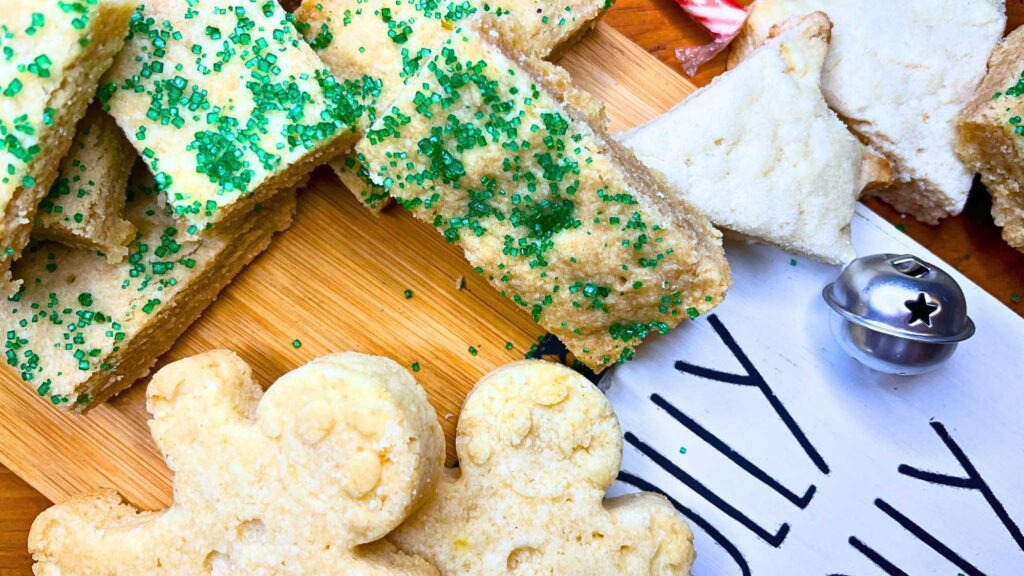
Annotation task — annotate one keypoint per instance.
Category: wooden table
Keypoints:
(971, 242)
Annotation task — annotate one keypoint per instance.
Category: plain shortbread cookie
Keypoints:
(303, 480)
(538, 446)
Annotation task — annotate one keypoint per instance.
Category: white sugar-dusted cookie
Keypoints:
(760, 153)
(304, 481)
(538, 446)
(899, 72)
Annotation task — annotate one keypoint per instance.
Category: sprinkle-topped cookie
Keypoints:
(82, 328)
(52, 54)
(990, 137)
(85, 205)
(226, 103)
(560, 218)
(381, 44)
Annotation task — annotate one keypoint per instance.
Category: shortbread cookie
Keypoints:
(538, 446)
(226, 103)
(762, 155)
(83, 328)
(559, 217)
(991, 136)
(53, 54)
(899, 73)
(304, 480)
(378, 45)
(85, 206)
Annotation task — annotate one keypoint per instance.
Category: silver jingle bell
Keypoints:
(898, 314)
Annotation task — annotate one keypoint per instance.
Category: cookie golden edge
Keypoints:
(214, 397)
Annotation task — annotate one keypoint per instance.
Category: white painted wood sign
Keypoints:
(790, 458)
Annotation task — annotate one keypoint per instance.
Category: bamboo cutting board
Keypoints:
(335, 281)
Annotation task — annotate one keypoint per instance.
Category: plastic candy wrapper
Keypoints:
(722, 18)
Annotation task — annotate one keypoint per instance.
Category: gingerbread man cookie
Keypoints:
(305, 481)
(538, 446)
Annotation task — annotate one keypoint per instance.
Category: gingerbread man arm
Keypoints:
(538, 447)
(332, 458)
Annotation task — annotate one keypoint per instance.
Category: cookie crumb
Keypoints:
(460, 282)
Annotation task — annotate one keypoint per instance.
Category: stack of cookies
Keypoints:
(227, 108)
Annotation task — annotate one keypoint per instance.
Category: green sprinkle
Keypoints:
(473, 351)
(13, 88)
(415, 366)
(296, 343)
(1015, 298)
(682, 449)
(408, 294)
(792, 262)
(508, 346)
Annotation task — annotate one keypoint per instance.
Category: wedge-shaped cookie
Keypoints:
(538, 446)
(378, 45)
(85, 205)
(899, 73)
(762, 155)
(991, 136)
(52, 54)
(304, 480)
(558, 216)
(226, 103)
(83, 328)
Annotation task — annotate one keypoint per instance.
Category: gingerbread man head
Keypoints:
(538, 447)
(304, 481)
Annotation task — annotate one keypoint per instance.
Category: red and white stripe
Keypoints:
(720, 17)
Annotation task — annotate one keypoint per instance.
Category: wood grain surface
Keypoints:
(372, 314)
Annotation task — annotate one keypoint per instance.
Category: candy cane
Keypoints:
(722, 18)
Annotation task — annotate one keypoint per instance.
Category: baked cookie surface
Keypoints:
(380, 45)
(226, 103)
(899, 73)
(82, 328)
(53, 54)
(85, 206)
(304, 479)
(762, 155)
(538, 446)
(490, 147)
(990, 136)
